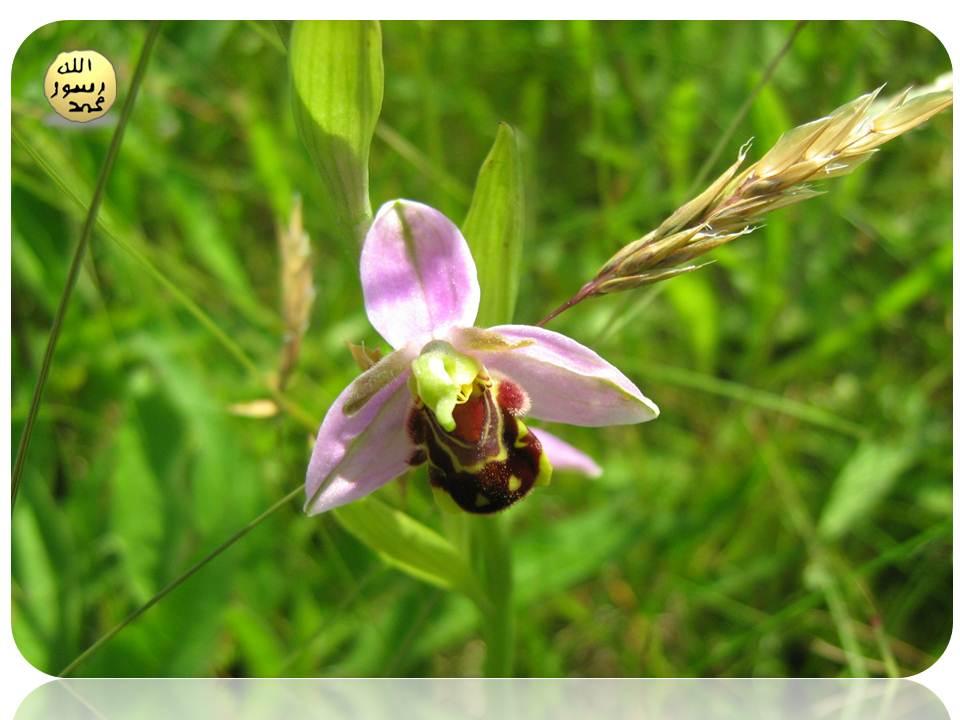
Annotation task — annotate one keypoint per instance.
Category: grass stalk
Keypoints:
(738, 200)
(77, 261)
(820, 569)
(178, 581)
(803, 412)
(746, 105)
(283, 400)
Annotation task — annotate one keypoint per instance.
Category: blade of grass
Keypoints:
(270, 36)
(66, 195)
(342, 608)
(626, 312)
(77, 262)
(811, 598)
(188, 304)
(820, 572)
(906, 292)
(238, 354)
(179, 580)
(418, 159)
(399, 651)
(753, 396)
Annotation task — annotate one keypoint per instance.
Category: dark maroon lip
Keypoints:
(489, 438)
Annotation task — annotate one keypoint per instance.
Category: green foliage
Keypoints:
(494, 228)
(136, 508)
(337, 71)
(702, 550)
(866, 479)
(404, 542)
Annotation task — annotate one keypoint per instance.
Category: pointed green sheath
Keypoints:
(337, 72)
(494, 227)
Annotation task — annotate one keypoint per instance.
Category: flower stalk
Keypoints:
(735, 203)
(492, 561)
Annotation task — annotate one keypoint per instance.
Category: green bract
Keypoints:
(337, 72)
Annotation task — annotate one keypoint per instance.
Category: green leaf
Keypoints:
(682, 118)
(937, 500)
(494, 228)
(409, 545)
(136, 513)
(337, 72)
(865, 480)
(559, 545)
(35, 617)
(259, 647)
(48, 593)
(221, 476)
(693, 300)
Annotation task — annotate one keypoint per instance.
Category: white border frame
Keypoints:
(23, 18)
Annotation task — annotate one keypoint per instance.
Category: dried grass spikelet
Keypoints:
(736, 201)
(296, 282)
(297, 294)
(259, 409)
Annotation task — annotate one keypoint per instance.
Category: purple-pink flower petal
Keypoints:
(566, 381)
(363, 441)
(418, 275)
(564, 456)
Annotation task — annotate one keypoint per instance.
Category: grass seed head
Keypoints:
(735, 203)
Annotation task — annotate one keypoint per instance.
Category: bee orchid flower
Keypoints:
(451, 395)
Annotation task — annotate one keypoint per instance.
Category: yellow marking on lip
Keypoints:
(514, 483)
(481, 501)
(544, 471)
(442, 441)
(522, 433)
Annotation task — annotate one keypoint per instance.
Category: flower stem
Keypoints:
(493, 561)
(78, 254)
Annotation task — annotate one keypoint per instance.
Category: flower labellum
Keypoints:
(479, 453)
(451, 395)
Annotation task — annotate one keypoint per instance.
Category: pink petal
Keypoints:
(417, 273)
(566, 381)
(564, 456)
(363, 442)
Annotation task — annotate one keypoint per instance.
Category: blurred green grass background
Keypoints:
(788, 514)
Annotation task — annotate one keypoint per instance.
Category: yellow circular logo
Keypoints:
(81, 85)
